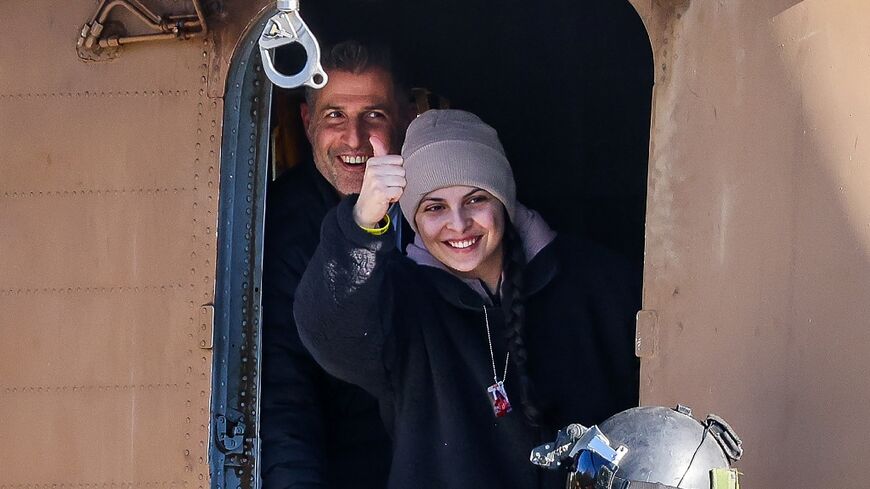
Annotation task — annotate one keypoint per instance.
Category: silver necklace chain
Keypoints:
(492, 355)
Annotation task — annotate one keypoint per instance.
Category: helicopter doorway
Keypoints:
(567, 85)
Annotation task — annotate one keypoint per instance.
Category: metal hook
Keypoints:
(287, 27)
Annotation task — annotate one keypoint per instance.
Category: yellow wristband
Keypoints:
(381, 230)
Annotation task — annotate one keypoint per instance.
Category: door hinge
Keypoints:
(646, 334)
(205, 331)
(230, 433)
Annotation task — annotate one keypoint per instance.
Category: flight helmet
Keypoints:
(646, 448)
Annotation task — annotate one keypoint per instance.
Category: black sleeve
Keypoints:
(344, 298)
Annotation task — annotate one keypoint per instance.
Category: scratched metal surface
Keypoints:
(758, 230)
(756, 245)
(108, 201)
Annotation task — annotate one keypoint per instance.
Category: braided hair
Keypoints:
(515, 311)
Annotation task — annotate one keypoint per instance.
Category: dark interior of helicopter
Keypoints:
(566, 83)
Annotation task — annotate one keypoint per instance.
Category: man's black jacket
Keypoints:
(316, 431)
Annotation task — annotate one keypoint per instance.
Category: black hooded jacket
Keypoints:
(415, 337)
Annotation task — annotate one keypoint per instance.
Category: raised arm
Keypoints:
(344, 300)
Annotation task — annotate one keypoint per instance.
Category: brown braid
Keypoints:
(515, 312)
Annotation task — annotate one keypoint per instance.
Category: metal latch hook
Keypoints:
(287, 27)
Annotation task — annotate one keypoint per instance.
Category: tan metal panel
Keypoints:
(108, 207)
(95, 238)
(80, 442)
(40, 59)
(71, 336)
(758, 230)
(68, 133)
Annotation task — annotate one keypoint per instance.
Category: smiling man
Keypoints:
(317, 431)
(340, 118)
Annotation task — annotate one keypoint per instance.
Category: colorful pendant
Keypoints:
(499, 399)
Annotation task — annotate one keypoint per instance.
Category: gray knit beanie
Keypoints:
(444, 148)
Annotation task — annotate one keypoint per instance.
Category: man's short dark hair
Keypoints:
(356, 57)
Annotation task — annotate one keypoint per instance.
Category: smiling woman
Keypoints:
(463, 228)
(460, 192)
(428, 333)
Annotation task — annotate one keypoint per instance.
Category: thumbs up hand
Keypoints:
(383, 184)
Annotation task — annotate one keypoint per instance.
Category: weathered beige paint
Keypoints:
(108, 203)
(758, 229)
(108, 217)
(758, 239)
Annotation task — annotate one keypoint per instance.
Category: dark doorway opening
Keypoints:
(567, 84)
